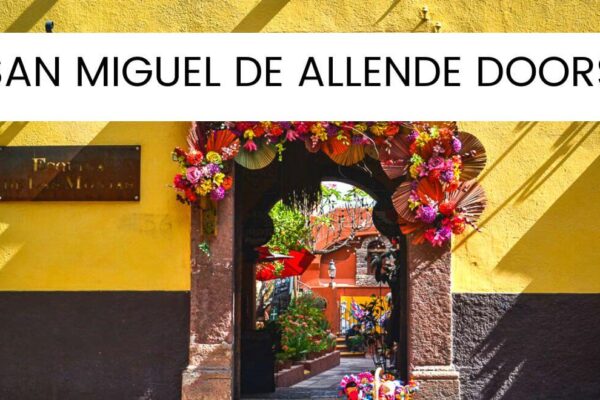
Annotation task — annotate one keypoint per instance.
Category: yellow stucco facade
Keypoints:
(541, 179)
(99, 245)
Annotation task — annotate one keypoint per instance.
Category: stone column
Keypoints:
(430, 322)
(210, 373)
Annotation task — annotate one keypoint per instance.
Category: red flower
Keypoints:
(302, 127)
(227, 183)
(458, 225)
(392, 130)
(276, 130)
(190, 195)
(447, 208)
(452, 186)
(258, 130)
(179, 182)
(242, 126)
(194, 158)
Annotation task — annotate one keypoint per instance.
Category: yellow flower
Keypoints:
(319, 131)
(249, 134)
(205, 187)
(413, 171)
(218, 178)
(378, 129)
(362, 128)
(213, 157)
(422, 139)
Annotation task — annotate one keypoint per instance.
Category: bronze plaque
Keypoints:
(70, 173)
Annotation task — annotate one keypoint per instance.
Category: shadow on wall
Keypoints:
(527, 346)
(563, 241)
(9, 131)
(31, 15)
(260, 16)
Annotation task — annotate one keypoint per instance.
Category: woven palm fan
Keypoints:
(417, 229)
(470, 200)
(394, 156)
(354, 154)
(196, 138)
(258, 159)
(219, 139)
(334, 146)
(430, 192)
(400, 201)
(473, 156)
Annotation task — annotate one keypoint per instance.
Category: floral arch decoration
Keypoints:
(438, 197)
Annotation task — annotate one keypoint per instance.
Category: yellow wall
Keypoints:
(540, 230)
(99, 246)
(541, 177)
(299, 15)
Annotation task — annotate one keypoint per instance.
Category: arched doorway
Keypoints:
(300, 172)
(222, 302)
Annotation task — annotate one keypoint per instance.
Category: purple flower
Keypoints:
(426, 214)
(447, 175)
(413, 136)
(456, 145)
(435, 162)
(445, 233)
(205, 171)
(213, 169)
(217, 194)
(193, 175)
(360, 140)
(332, 130)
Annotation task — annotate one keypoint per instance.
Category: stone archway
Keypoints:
(363, 277)
(215, 319)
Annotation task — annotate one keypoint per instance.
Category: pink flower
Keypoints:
(439, 236)
(250, 145)
(291, 135)
(435, 162)
(193, 175)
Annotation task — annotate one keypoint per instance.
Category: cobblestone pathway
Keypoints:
(322, 386)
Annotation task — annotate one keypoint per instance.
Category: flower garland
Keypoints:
(315, 133)
(435, 165)
(437, 199)
(203, 172)
(362, 387)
